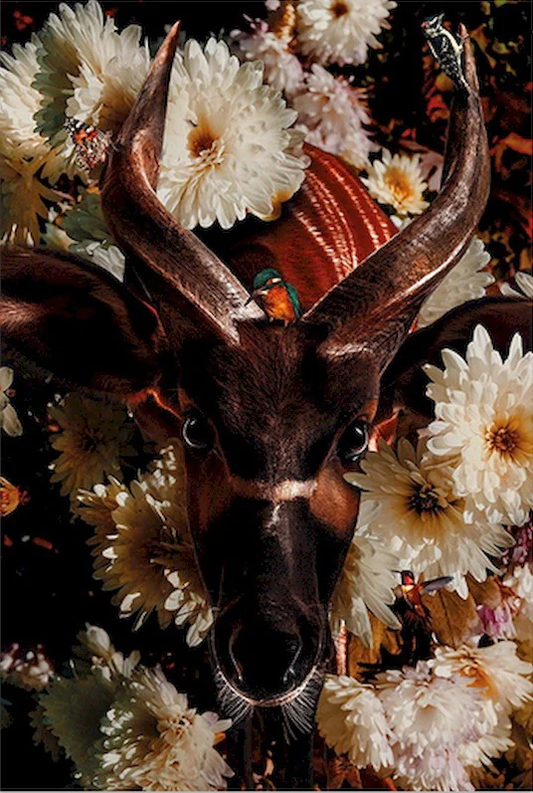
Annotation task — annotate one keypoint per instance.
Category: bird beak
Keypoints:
(254, 295)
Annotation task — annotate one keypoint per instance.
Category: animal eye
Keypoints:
(197, 432)
(353, 443)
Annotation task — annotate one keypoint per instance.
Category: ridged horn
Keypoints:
(193, 291)
(375, 305)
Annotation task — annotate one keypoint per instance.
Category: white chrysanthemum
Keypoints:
(71, 709)
(228, 149)
(484, 427)
(334, 112)
(435, 769)
(351, 719)
(88, 71)
(142, 547)
(340, 31)
(95, 437)
(155, 741)
(495, 727)
(396, 181)
(283, 70)
(9, 421)
(467, 281)
(496, 671)
(410, 502)
(23, 152)
(426, 710)
(524, 282)
(366, 584)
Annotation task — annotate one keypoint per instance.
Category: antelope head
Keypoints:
(271, 417)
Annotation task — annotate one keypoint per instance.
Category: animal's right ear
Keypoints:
(61, 315)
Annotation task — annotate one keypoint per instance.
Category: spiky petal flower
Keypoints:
(155, 741)
(283, 70)
(366, 584)
(396, 181)
(484, 427)
(430, 719)
(228, 148)
(142, 547)
(351, 719)
(467, 281)
(95, 438)
(340, 31)
(334, 114)
(495, 670)
(23, 152)
(88, 71)
(410, 503)
(9, 421)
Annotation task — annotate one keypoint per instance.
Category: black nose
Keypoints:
(266, 661)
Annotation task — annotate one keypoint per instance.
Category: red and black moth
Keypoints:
(91, 144)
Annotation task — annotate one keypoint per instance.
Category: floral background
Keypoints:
(384, 108)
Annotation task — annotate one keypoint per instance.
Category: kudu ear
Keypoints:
(404, 382)
(61, 315)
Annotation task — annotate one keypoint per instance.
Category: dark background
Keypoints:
(47, 589)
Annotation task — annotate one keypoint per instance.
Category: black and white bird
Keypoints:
(446, 48)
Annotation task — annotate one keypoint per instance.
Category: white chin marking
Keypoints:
(287, 490)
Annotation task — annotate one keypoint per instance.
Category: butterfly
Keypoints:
(90, 144)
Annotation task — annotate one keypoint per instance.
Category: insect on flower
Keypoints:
(91, 144)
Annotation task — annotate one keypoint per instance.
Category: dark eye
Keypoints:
(353, 443)
(197, 432)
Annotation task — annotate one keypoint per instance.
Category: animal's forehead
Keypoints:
(278, 371)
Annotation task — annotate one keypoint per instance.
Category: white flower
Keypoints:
(351, 719)
(155, 741)
(23, 152)
(9, 421)
(334, 112)
(340, 31)
(142, 547)
(496, 671)
(397, 182)
(411, 504)
(495, 726)
(95, 437)
(467, 281)
(429, 722)
(484, 427)
(366, 583)
(283, 70)
(228, 149)
(88, 71)
(524, 282)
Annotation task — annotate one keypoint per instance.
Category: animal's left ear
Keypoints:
(61, 315)
(403, 385)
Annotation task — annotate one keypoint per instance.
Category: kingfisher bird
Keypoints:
(278, 299)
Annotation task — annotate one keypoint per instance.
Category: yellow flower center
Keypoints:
(424, 499)
(503, 438)
(205, 147)
(398, 183)
(339, 9)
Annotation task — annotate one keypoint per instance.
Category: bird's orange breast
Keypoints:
(277, 304)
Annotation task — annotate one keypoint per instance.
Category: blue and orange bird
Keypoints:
(278, 299)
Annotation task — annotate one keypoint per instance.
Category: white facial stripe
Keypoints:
(287, 490)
